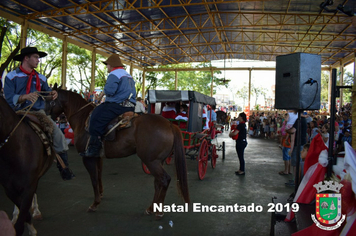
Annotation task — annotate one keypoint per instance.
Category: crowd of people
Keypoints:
(269, 125)
(276, 126)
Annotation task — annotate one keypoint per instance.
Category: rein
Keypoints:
(52, 103)
(90, 103)
(28, 108)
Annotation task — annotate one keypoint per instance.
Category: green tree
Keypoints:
(348, 81)
(52, 46)
(190, 80)
(243, 94)
(150, 81)
(79, 68)
(258, 91)
(9, 44)
(324, 93)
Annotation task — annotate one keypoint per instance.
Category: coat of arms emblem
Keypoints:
(328, 205)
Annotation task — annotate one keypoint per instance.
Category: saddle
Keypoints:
(43, 127)
(121, 122)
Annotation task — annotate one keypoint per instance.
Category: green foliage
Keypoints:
(255, 91)
(189, 80)
(243, 93)
(52, 46)
(324, 93)
(258, 91)
(79, 68)
(9, 43)
(348, 81)
(150, 81)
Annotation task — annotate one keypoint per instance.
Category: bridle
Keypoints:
(53, 103)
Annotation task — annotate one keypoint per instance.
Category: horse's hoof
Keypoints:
(37, 217)
(159, 216)
(147, 212)
(91, 209)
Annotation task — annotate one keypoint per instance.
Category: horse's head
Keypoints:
(67, 101)
(55, 107)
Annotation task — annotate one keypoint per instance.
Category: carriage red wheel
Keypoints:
(213, 156)
(145, 169)
(168, 160)
(203, 159)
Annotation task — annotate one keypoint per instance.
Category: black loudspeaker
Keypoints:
(298, 77)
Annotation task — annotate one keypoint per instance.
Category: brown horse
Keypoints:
(151, 137)
(23, 161)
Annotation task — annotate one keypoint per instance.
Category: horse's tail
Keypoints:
(180, 164)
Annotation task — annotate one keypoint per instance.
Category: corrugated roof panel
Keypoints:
(195, 29)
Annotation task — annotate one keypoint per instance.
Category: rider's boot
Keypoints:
(94, 147)
(66, 173)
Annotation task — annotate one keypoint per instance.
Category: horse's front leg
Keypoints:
(24, 215)
(91, 164)
(36, 214)
(100, 173)
(15, 214)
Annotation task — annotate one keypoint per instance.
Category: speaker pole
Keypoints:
(331, 159)
(299, 127)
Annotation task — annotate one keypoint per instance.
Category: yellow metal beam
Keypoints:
(64, 63)
(93, 69)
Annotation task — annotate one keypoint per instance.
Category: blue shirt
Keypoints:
(119, 86)
(15, 86)
(213, 115)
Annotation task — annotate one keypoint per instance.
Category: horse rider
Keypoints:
(120, 94)
(20, 90)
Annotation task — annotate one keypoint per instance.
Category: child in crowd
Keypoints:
(283, 129)
(272, 127)
(325, 130)
(292, 117)
(345, 138)
(234, 125)
(314, 129)
(286, 156)
(303, 155)
(266, 127)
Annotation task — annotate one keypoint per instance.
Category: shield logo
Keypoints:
(328, 208)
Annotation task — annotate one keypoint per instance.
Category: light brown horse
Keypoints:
(23, 161)
(151, 137)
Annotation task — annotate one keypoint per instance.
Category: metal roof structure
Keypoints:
(160, 32)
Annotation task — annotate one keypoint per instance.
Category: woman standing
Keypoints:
(241, 142)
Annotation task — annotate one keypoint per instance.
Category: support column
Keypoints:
(176, 80)
(23, 36)
(93, 64)
(329, 92)
(249, 89)
(143, 83)
(341, 83)
(212, 83)
(353, 109)
(64, 63)
(131, 68)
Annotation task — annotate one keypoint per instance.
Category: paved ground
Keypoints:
(128, 191)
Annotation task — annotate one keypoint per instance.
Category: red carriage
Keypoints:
(197, 137)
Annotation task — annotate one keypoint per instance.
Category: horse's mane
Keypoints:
(72, 95)
(74, 99)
